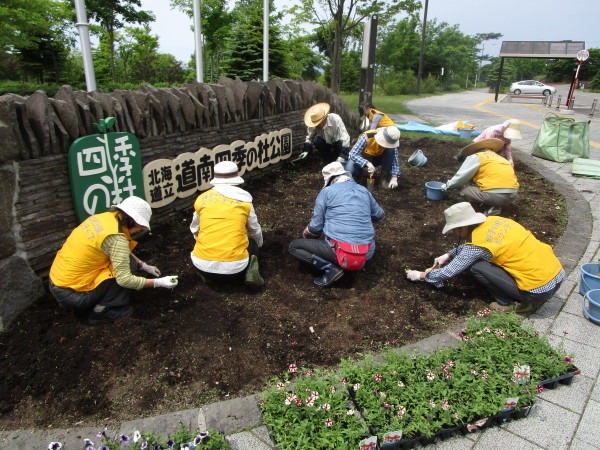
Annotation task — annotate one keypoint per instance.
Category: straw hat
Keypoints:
(136, 208)
(316, 114)
(226, 172)
(388, 137)
(332, 170)
(485, 144)
(514, 130)
(460, 215)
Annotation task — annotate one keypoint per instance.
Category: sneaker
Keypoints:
(109, 315)
(516, 307)
(493, 211)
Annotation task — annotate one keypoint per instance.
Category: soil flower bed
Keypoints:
(498, 368)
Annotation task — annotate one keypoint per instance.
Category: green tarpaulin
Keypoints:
(586, 168)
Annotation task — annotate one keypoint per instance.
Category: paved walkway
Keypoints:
(567, 417)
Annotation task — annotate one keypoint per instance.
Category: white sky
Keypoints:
(517, 20)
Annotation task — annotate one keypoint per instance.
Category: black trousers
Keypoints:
(303, 250)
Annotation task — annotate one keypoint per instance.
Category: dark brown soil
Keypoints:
(198, 344)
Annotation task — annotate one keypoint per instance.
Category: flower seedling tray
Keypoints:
(566, 379)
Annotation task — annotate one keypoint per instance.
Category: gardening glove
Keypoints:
(341, 159)
(370, 167)
(152, 270)
(303, 155)
(441, 260)
(393, 182)
(166, 282)
(444, 187)
(413, 275)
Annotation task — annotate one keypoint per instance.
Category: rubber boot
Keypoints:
(253, 278)
(331, 272)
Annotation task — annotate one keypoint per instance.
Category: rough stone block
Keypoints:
(19, 287)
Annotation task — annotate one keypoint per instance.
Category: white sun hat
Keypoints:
(388, 137)
(226, 172)
(332, 170)
(460, 215)
(136, 208)
(514, 130)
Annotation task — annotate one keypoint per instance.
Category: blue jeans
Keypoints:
(385, 160)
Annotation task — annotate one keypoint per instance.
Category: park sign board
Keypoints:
(104, 169)
(165, 180)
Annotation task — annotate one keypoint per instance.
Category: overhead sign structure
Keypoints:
(104, 169)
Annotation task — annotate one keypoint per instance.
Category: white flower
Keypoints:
(136, 436)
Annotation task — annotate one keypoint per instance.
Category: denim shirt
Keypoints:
(345, 212)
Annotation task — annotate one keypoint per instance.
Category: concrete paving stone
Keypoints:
(548, 425)
(573, 397)
(573, 304)
(590, 253)
(578, 444)
(586, 184)
(541, 324)
(247, 441)
(501, 439)
(165, 424)
(566, 288)
(551, 307)
(263, 434)
(589, 424)
(577, 328)
(585, 357)
(233, 415)
(30, 439)
(596, 392)
(455, 443)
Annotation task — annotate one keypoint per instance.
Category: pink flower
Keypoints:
(413, 356)
(315, 394)
(329, 422)
(400, 383)
(445, 404)
(293, 368)
(448, 375)
(540, 388)
(485, 376)
(430, 376)
(310, 401)
(568, 360)
(280, 386)
(326, 407)
(401, 411)
(451, 363)
(377, 377)
(356, 387)
(344, 381)
(432, 403)
(332, 389)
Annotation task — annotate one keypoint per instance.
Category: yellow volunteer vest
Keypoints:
(372, 148)
(81, 264)
(222, 235)
(531, 262)
(495, 172)
(385, 120)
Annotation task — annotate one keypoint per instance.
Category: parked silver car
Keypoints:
(531, 87)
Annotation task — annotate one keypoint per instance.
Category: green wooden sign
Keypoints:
(104, 169)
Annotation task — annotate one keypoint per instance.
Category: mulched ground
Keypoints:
(198, 344)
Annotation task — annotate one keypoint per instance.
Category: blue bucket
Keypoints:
(590, 278)
(434, 191)
(417, 159)
(465, 133)
(592, 309)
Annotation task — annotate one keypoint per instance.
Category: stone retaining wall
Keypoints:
(36, 211)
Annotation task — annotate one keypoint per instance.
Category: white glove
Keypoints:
(370, 167)
(444, 187)
(303, 155)
(441, 260)
(152, 270)
(166, 282)
(413, 275)
(340, 159)
(393, 182)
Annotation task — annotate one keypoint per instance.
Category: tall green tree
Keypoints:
(345, 16)
(398, 46)
(244, 54)
(215, 24)
(113, 15)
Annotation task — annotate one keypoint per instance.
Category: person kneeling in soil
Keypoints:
(374, 119)
(226, 230)
(507, 259)
(344, 213)
(506, 132)
(485, 177)
(374, 148)
(92, 271)
(325, 131)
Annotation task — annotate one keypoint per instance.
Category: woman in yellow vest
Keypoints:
(515, 268)
(375, 119)
(92, 271)
(485, 177)
(226, 230)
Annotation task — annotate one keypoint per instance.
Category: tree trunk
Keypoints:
(336, 56)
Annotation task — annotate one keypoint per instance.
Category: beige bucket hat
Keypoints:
(514, 130)
(316, 114)
(332, 170)
(136, 208)
(485, 144)
(388, 137)
(460, 215)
